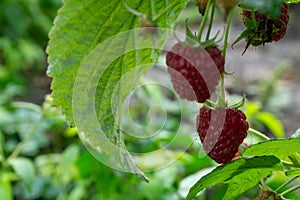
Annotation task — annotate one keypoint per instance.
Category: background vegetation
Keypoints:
(42, 158)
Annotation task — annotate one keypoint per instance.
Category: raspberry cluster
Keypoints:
(269, 29)
(196, 70)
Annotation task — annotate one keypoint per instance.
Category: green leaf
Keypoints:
(5, 191)
(69, 156)
(1, 146)
(272, 123)
(96, 59)
(24, 168)
(252, 108)
(295, 158)
(244, 34)
(293, 172)
(269, 7)
(247, 180)
(81, 25)
(244, 170)
(281, 148)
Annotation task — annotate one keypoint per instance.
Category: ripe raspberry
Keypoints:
(221, 131)
(268, 28)
(195, 72)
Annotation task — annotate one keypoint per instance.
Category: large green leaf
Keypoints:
(81, 25)
(281, 148)
(240, 175)
(96, 59)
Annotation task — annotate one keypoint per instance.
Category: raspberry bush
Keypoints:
(88, 62)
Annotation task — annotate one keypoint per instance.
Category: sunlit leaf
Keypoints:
(281, 148)
(272, 123)
(241, 170)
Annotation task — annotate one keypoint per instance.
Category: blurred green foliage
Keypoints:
(42, 158)
(23, 38)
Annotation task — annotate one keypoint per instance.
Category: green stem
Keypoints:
(131, 10)
(223, 86)
(259, 134)
(289, 164)
(26, 105)
(204, 19)
(286, 183)
(221, 103)
(211, 20)
(292, 189)
(227, 33)
(253, 18)
(2, 156)
(21, 145)
(221, 100)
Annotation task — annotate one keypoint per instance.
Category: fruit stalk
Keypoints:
(259, 134)
(204, 19)
(292, 189)
(227, 34)
(211, 20)
(286, 183)
(221, 100)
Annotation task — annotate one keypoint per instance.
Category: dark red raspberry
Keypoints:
(221, 131)
(268, 29)
(195, 72)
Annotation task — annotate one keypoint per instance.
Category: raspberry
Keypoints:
(221, 131)
(268, 28)
(195, 72)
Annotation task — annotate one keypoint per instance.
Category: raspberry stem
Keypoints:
(204, 19)
(289, 164)
(292, 189)
(211, 19)
(30, 133)
(221, 98)
(286, 183)
(227, 33)
(259, 134)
